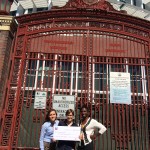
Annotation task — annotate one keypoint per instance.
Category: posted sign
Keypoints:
(62, 103)
(40, 100)
(120, 90)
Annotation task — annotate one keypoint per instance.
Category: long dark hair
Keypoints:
(47, 119)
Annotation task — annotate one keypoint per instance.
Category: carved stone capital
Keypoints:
(7, 23)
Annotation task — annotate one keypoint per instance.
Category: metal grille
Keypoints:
(79, 63)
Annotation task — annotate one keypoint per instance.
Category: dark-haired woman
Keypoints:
(67, 145)
(46, 137)
(88, 126)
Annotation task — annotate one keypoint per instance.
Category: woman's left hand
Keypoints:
(93, 137)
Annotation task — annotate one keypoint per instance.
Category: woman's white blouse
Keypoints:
(91, 127)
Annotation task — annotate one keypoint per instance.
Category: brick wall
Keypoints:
(5, 50)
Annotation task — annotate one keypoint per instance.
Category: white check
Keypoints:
(67, 133)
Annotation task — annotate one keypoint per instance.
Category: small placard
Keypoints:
(40, 100)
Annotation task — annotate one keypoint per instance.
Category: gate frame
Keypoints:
(29, 27)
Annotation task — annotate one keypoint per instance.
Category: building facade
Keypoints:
(137, 8)
(71, 51)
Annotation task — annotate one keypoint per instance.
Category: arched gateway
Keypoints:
(71, 51)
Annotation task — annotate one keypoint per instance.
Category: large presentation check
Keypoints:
(67, 133)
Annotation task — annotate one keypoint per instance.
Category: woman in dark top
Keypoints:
(67, 145)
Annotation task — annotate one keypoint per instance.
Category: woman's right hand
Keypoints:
(81, 137)
(53, 140)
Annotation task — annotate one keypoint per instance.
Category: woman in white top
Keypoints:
(88, 126)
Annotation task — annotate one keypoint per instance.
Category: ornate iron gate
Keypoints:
(66, 57)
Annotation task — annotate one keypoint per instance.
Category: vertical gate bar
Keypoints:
(98, 98)
(99, 116)
(26, 103)
(40, 49)
(137, 105)
(146, 143)
(54, 73)
(123, 127)
(16, 106)
(119, 126)
(54, 66)
(72, 74)
(131, 126)
(111, 125)
(143, 102)
(92, 39)
(37, 70)
(70, 60)
(115, 124)
(95, 116)
(7, 97)
(127, 125)
(60, 72)
(84, 70)
(50, 76)
(88, 71)
(44, 88)
(59, 75)
(30, 93)
(76, 47)
(38, 85)
(148, 80)
(108, 41)
(67, 68)
(142, 127)
(127, 108)
(139, 109)
(147, 52)
(137, 112)
(74, 86)
(134, 121)
(24, 86)
(68, 71)
(91, 80)
(105, 46)
(76, 77)
(43, 45)
(43, 71)
(79, 62)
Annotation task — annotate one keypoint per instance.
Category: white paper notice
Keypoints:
(67, 133)
(120, 88)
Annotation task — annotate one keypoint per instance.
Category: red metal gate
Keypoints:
(71, 57)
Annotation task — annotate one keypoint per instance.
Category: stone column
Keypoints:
(7, 33)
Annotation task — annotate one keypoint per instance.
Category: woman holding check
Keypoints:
(67, 145)
(88, 125)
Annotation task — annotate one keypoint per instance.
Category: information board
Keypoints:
(40, 100)
(120, 90)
